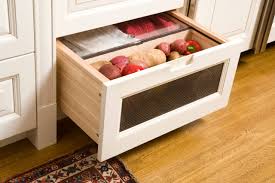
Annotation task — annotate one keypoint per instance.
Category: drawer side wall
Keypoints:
(79, 96)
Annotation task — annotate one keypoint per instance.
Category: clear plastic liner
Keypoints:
(111, 38)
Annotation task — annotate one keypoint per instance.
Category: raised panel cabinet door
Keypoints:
(16, 28)
(17, 96)
(232, 19)
(272, 33)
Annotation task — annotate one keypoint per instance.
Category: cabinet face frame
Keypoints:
(21, 71)
(17, 36)
(73, 16)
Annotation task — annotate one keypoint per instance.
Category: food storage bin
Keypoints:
(123, 113)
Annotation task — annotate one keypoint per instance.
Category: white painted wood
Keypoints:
(112, 142)
(76, 16)
(79, 5)
(13, 139)
(21, 70)
(4, 17)
(202, 11)
(6, 97)
(230, 17)
(233, 19)
(272, 33)
(46, 131)
(17, 36)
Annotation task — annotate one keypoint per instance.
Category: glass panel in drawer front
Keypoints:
(162, 99)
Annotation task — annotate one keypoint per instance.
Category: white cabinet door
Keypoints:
(16, 28)
(17, 96)
(272, 33)
(233, 19)
(72, 16)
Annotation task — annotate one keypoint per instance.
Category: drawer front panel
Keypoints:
(120, 137)
(157, 101)
(6, 97)
(73, 16)
(17, 96)
(16, 28)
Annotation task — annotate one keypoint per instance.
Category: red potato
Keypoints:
(110, 71)
(165, 48)
(131, 68)
(179, 46)
(120, 62)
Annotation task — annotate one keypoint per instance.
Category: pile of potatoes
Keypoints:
(122, 65)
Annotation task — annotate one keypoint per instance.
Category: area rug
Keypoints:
(78, 167)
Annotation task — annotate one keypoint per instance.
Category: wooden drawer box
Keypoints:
(126, 112)
(72, 16)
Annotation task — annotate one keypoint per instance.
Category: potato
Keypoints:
(120, 62)
(140, 57)
(174, 55)
(156, 57)
(99, 64)
(150, 58)
(165, 48)
(179, 46)
(110, 71)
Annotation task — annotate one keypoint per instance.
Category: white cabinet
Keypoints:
(72, 16)
(6, 97)
(272, 33)
(4, 18)
(233, 18)
(16, 28)
(17, 96)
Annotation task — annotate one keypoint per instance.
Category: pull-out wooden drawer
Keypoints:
(72, 16)
(126, 112)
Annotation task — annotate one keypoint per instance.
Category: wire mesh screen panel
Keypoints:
(162, 99)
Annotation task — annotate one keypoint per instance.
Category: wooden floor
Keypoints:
(236, 144)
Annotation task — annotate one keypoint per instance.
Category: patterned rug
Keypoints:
(79, 167)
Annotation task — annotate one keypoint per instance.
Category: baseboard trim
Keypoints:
(13, 139)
